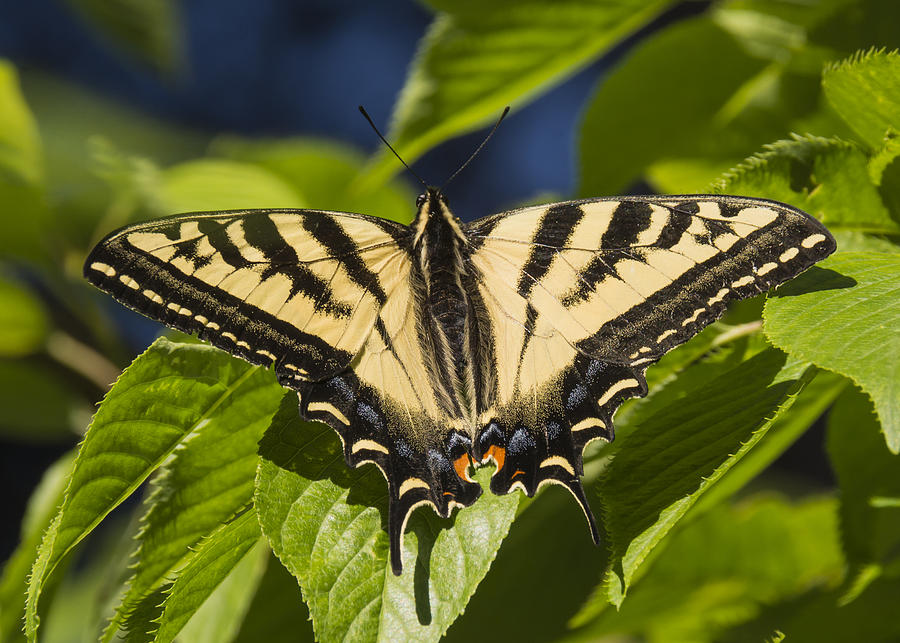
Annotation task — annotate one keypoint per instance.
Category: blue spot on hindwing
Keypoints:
(520, 442)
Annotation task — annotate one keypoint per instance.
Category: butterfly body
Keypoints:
(431, 347)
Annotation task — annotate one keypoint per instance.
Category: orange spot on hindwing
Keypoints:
(499, 455)
(461, 464)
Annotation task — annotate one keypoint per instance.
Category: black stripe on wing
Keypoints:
(755, 263)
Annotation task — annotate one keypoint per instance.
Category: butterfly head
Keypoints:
(433, 197)
(434, 218)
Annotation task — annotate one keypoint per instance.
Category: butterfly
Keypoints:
(437, 346)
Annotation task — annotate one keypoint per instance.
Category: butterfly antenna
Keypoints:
(478, 149)
(362, 110)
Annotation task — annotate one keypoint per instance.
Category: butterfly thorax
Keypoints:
(446, 288)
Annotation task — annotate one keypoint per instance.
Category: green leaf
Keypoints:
(865, 91)
(707, 367)
(70, 118)
(811, 403)
(277, 613)
(475, 60)
(20, 143)
(828, 178)
(162, 398)
(23, 320)
(217, 184)
(866, 471)
(231, 559)
(544, 569)
(149, 29)
(206, 482)
(21, 173)
(723, 568)
(39, 402)
(676, 455)
(41, 508)
(323, 172)
(325, 523)
(639, 115)
(843, 315)
(856, 241)
(818, 616)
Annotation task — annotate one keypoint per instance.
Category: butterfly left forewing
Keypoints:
(298, 288)
(588, 293)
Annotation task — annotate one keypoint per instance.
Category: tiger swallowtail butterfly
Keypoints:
(441, 345)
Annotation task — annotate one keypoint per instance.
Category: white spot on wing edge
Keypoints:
(152, 296)
(330, 409)
(743, 281)
(788, 254)
(664, 335)
(128, 281)
(588, 423)
(766, 268)
(411, 483)
(106, 269)
(615, 388)
(558, 461)
(693, 317)
(367, 445)
(719, 296)
(812, 240)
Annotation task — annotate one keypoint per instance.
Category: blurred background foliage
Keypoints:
(113, 112)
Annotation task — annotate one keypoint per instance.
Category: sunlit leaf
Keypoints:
(168, 393)
(218, 184)
(843, 316)
(865, 91)
(632, 121)
(20, 144)
(811, 403)
(474, 61)
(545, 568)
(211, 594)
(828, 178)
(675, 456)
(23, 320)
(322, 172)
(866, 470)
(722, 569)
(205, 483)
(325, 523)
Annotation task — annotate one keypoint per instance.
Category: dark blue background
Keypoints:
(286, 67)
